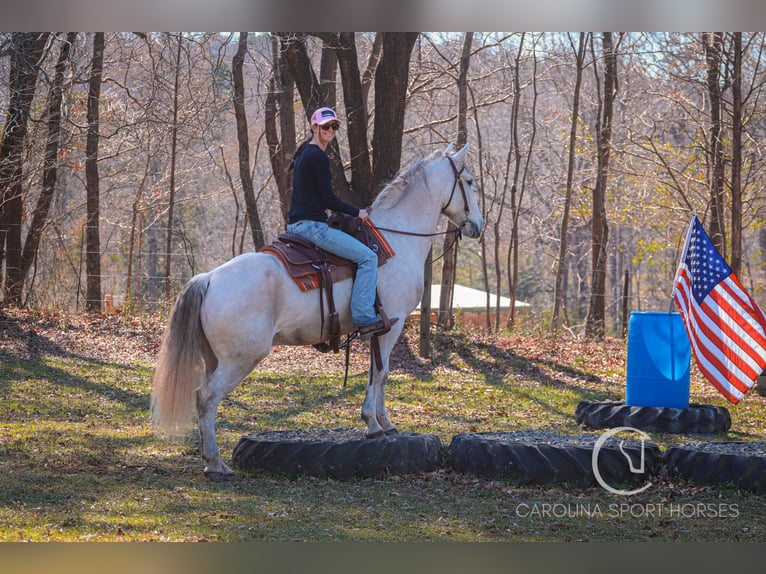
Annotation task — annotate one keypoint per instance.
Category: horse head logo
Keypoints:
(634, 469)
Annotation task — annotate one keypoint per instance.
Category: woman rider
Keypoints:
(312, 196)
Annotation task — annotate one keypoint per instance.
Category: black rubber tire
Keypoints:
(500, 455)
(292, 454)
(713, 468)
(696, 419)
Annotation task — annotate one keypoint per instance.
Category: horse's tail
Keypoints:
(181, 362)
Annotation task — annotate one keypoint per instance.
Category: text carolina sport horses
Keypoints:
(226, 321)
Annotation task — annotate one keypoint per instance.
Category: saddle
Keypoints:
(314, 268)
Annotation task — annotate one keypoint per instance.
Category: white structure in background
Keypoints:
(466, 298)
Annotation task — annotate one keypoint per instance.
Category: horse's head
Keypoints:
(460, 203)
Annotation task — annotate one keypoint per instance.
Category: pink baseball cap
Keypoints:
(323, 116)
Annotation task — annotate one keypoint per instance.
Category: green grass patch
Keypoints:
(79, 459)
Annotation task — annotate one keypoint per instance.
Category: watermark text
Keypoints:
(546, 510)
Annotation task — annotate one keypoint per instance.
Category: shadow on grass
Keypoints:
(276, 401)
(33, 357)
(121, 390)
(498, 364)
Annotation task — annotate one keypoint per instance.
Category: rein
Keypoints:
(458, 234)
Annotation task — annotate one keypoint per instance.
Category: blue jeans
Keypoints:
(342, 244)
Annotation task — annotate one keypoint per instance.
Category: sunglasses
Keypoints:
(327, 127)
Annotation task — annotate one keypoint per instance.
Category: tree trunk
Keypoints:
(563, 247)
(372, 65)
(293, 47)
(391, 76)
(391, 80)
(243, 139)
(50, 165)
(625, 304)
(356, 117)
(92, 235)
(712, 44)
(328, 77)
(173, 157)
(736, 159)
(445, 318)
(285, 101)
(594, 327)
(279, 119)
(518, 187)
(26, 52)
(135, 223)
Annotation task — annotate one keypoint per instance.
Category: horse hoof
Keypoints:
(219, 476)
(376, 434)
(390, 432)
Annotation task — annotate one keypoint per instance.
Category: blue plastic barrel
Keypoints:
(658, 361)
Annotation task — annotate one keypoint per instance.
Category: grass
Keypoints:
(79, 460)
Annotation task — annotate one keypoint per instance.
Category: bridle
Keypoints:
(458, 234)
(458, 231)
(458, 182)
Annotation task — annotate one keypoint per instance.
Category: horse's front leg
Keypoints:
(374, 406)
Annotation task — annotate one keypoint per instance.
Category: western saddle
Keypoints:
(312, 268)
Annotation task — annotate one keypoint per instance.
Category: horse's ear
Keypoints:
(459, 157)
(449, 150)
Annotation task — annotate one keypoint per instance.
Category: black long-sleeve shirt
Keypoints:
(312, 188)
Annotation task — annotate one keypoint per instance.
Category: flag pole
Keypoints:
(683, 258)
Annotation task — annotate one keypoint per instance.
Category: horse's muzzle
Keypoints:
(473, 229)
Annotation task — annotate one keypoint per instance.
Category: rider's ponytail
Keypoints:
(297, 154)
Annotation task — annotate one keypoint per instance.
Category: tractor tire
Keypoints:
(337, 453)
(696, 419)
(741, 464)
(544, 458)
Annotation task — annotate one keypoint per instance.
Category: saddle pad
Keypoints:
(303, 261)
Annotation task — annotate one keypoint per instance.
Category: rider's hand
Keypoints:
(363, 214)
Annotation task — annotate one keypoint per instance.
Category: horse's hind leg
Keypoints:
(219, 383)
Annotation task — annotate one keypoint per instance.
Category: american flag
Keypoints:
(726, 328)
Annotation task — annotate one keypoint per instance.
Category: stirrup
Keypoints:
(380, 327)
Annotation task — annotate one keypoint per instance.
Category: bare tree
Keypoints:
(737, 113)
(713, 55)
(368, 76)
(563, 246)
(244, 143)
(173, 162)
(594, 327)
(668, 163)
(26, 54)
(344, 45)
(449, 265)
(518, 184)
(280, 124)
(391, 79)
(92, 233)
(295, 50)
(390, 98)
(135, 225)
(50, 166)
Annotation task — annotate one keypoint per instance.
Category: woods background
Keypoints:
(130, 162)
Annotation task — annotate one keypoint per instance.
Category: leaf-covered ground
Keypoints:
(79, 459)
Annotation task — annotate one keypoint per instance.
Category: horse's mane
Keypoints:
(393, 191)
